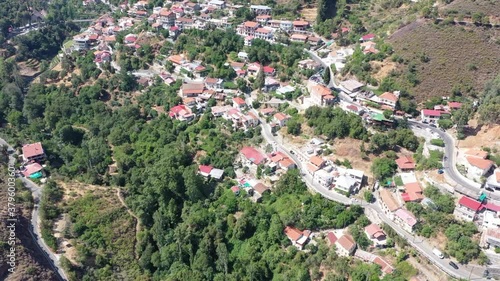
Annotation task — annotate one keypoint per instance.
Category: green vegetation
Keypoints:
(490, 104)
(405, 138)
(49, 211)
(441, 220)
(398, 181)
(96, 221)
(434, 161)
(383, 168)
(335, 123)
(437, 142)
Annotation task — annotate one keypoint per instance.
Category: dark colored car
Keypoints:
(454, 265)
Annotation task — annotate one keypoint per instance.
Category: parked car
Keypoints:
(454, 265)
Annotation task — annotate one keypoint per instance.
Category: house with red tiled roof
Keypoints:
(405, 219)
(389, 99)
(430, 115)
(467, 209)
(191, 89)
(367, 37)
(476, 163)
(33, 152)
(281, 119)
(252, 155)
(388, 202)
(317, 162)
(167, 18)
(248, 28)
(413, 192)
(375, 234)
(205, 170)
(32, 169)
(298, 238)
(300, 25)
(405, 163)
(181, 113)
(239, 102)
(345, 245)
(267, 111)
(321, 95)
(296, 37)
(332, 238)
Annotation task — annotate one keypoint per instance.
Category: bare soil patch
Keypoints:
(309, 14)
(349, 149)
(383, 68)
(487, 136)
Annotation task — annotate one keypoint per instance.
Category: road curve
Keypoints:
(35, 232)
(418, 243)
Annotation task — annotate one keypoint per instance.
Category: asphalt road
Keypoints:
(36, 192)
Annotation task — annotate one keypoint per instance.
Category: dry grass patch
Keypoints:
(459, 56)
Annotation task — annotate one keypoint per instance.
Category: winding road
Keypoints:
(35, 229)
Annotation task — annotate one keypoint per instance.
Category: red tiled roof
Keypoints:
(252, 154)
(412, 196)
(235, 189)
(388, 199)
(239, 101)
(32, 150)
(205, 169)
(287, 162)
(469, 203)
(251, 24)
(300, 23)
(268, 69)
(316, 161)
(368, 36)
(32, 168)
(477, 153)
(293, 233)
(263, 30)
(331, 238)
(389, 96)
(431, 112)
(413, 187)
(299, 36)
(260, 188)
(352, 108)
(384, 265)
(483, 164)
(346, 242)
(373, 230)
(455, 105)
(280, 116)
(405, 162)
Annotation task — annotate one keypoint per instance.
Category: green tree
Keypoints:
(326, 76)
(383, 168)
(293, 126)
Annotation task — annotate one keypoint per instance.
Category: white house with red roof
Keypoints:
(389, 98)
(264, 33)
(321, 95)
(31, 169)
(239, 103)
(367, 37)
(248, 28)
(269, 71)
(253, 69)
(252, 155)
(405, 163)
(405, 219)
(345, 245)
(281, 119)
(467, 209)
(298, 238)
(376, 234)
(33, 152)
(476, 163)
(181, 113)
(430, 115)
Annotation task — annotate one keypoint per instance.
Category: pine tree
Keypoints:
(326, 76)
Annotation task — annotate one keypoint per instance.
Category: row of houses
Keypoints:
(390, 206)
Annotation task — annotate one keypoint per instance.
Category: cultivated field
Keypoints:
(459, 56)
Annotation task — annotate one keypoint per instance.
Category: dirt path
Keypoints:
(138, 222)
